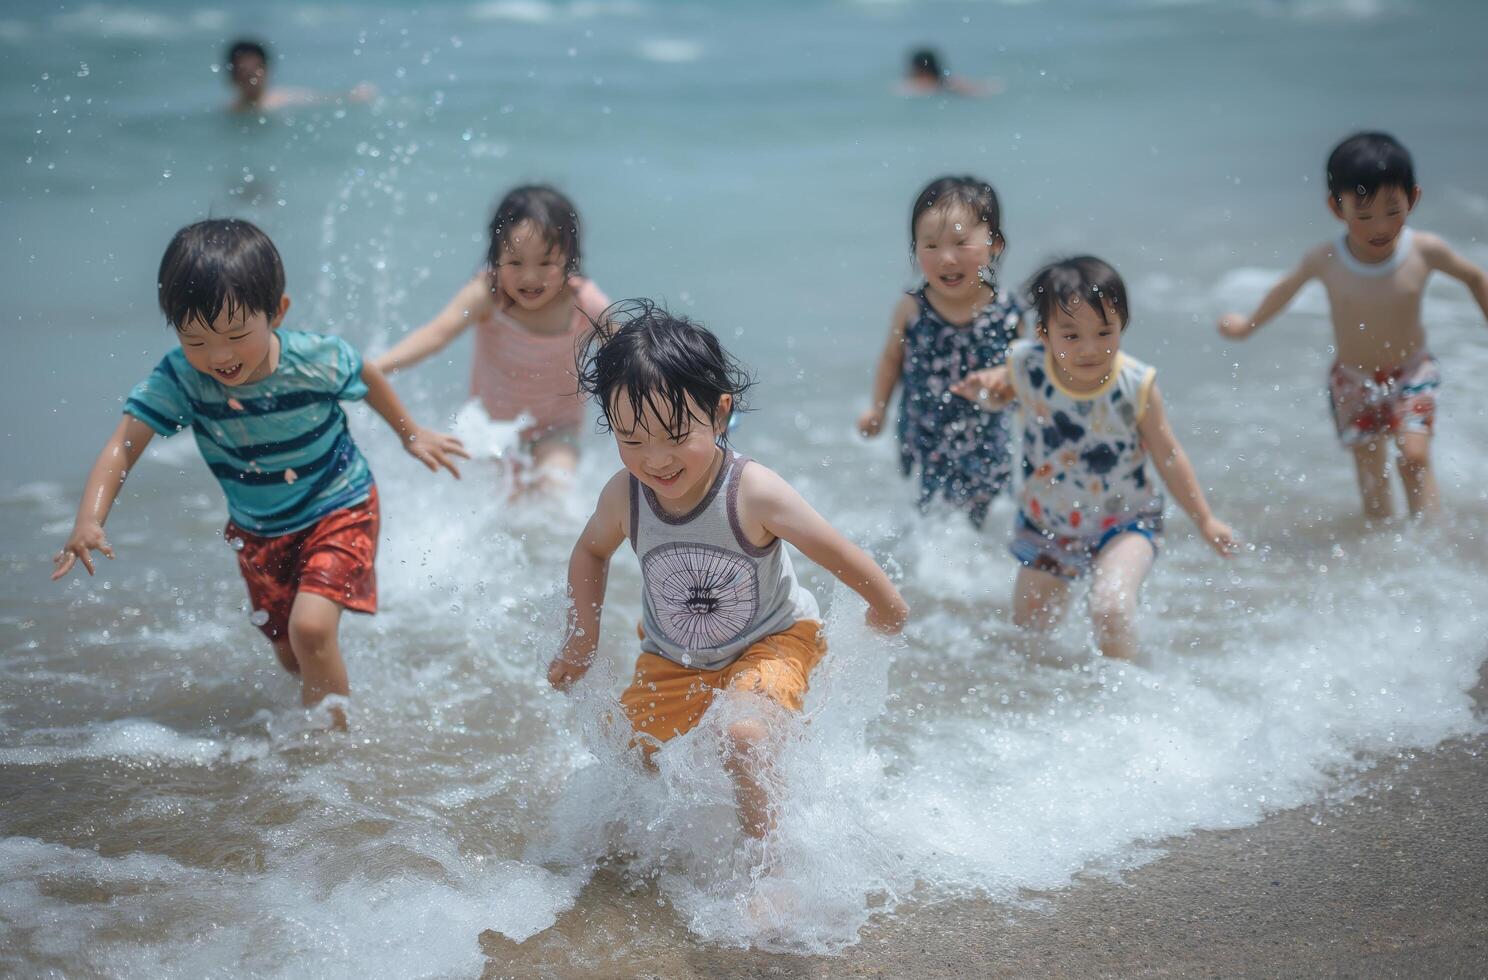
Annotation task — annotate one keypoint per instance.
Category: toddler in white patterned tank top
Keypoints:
(1092, 421)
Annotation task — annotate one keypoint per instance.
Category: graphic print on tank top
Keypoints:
(703, 596)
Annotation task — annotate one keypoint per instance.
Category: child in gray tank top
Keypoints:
(721, 607)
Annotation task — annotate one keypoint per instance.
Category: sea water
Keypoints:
(166, 813)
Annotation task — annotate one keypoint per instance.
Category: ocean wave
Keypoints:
(670, 51)
(134, 23)
(545, 12)
(130, 740)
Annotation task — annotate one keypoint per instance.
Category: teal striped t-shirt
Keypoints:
(279, 447)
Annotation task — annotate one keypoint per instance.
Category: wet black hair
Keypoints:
(971, 193)
(219, 263)
(546, 208)
(1080, 279)
(659, 360)
(926, 62)
(1365, 162)
(244, 46)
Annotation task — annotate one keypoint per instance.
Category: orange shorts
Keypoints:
(665, 699)
(334, 557)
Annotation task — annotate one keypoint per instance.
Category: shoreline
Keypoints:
(1391, 880)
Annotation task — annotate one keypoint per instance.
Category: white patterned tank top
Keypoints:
(1084, 466)
(708, 594)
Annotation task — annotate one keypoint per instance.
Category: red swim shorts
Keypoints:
(334, 557)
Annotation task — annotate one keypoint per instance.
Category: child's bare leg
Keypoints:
(1120, 569)
(554, 462)
(1039, 599)
(285, 652)
(314, 633)
(748, 766)
(746, 758)
(1370, 461)
(1421, 494)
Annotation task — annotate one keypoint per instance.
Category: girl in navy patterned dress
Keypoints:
(958, 322)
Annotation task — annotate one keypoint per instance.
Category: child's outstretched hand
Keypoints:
(988, 388)
(871, 422)
(85, 538)
(1220, 536)
(564, 673)
(1235, 326)
(435, 449)
(889, 621)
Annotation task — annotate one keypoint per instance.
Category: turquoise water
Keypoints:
(753, 167)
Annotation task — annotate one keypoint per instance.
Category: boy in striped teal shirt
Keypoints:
(264, 406)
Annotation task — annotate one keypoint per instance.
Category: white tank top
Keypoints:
(708, 594)
(1084, 466)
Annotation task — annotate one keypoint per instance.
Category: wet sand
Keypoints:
(1388, 880)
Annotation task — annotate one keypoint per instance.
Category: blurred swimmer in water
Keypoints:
(925, 75)
(248, 73)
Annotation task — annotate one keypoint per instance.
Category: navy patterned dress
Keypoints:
(961, 452)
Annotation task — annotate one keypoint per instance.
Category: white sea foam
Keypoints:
(106, 21)
(671, 51)
(396, 926)
(545, 12)
(130, 740)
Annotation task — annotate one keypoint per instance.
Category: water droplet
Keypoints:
(258, 617)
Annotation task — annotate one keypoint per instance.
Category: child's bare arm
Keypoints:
(588, 572)
(1439, 256)
(766, 499)
(1179, 477)
(890, 369)
(1236, 326)
(433, 449)
(119, 455)
(990, 388)
(439, 332)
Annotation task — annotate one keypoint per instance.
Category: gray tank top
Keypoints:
(708, 593)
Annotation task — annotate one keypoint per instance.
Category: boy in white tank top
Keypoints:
(1383, 386)
(722, 607)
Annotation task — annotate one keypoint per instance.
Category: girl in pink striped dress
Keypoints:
(530, 309)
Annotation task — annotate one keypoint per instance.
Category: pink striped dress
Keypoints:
(515, 370)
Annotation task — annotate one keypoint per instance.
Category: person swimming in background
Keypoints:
(926, 76)
(1383, 383)
(722, 608)
(248, 74)
(531, 308)
(957, 322)
(1094, 429)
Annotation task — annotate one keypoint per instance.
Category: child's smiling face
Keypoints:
(676, 466)
(1084, 344)
(238, 347)
(532, 272)
(1374, 223)
(952, 247)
